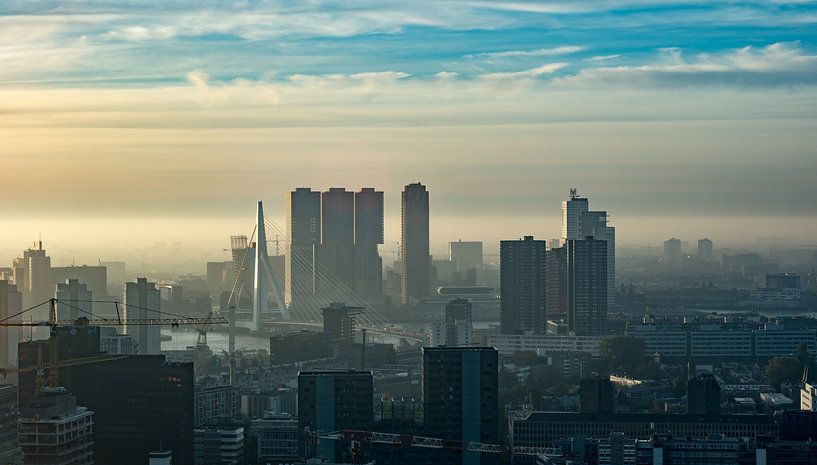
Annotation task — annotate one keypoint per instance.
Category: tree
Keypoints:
(624, 352)
(784, 370)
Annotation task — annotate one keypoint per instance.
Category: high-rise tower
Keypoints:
(522, 267)
(335, 256)
(368, 235)
(415, 263)
(142, 301)
(572, 210)
(587, 287)
(303, 235)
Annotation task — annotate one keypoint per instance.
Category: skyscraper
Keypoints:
(32, 276)
(368, 235)
(572, 210)
(335, 255)
(73, 300)
(414, 247)
(303, 235)
(705, 252)
(11, 303)
(142, 301)
(522, 267)
(461, 400)
(457, 328)
(587, 286)
(334, 400)
(594, 223)
(556, 282)
(672, 253)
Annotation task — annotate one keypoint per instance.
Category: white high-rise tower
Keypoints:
(572, 210)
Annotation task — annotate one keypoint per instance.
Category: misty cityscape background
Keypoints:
(460, 232)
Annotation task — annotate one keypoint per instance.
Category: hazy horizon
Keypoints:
(686, 119)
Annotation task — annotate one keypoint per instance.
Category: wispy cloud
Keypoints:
(528, 73)
(540, 52)
(776, 65)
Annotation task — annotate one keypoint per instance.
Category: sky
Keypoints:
(132, 122)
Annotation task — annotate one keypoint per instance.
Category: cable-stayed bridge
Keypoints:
(313, 295)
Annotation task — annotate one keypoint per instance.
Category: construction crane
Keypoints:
(404, 440)
(53, 343)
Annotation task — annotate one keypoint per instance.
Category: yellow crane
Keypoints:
(54, 363)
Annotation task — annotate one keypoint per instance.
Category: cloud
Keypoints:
(541, 52)
(603, 57)
(528, 73)
(779, 64)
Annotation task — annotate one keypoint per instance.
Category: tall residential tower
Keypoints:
(414, 245)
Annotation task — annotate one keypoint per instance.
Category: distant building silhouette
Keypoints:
(336, 253)
(587, 287)
(143, 301)
(672, 253)
(368, 270)
(705, 250)
(74, 300)
(11, 303)
(414, 245)
(304, 234)
(522, 286)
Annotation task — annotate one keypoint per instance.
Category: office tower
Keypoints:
(466, 254)
(672, 253)
(303, 235)
(142, 301)
(94, 277)
(222, 445)
(556, 282)
(594, 223)
(331, 401)
(73, 300)
(9, 445)
(336, 253)
(596, 395)
(461, 400)
(339, 321)
(415, 265)
(53, 430)
(141, 403)
(32, 276)
(572, 210)
(368, 235)
(522, 266)
(11, 303)
(587, 287)
(703, 395)
(705, 251)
